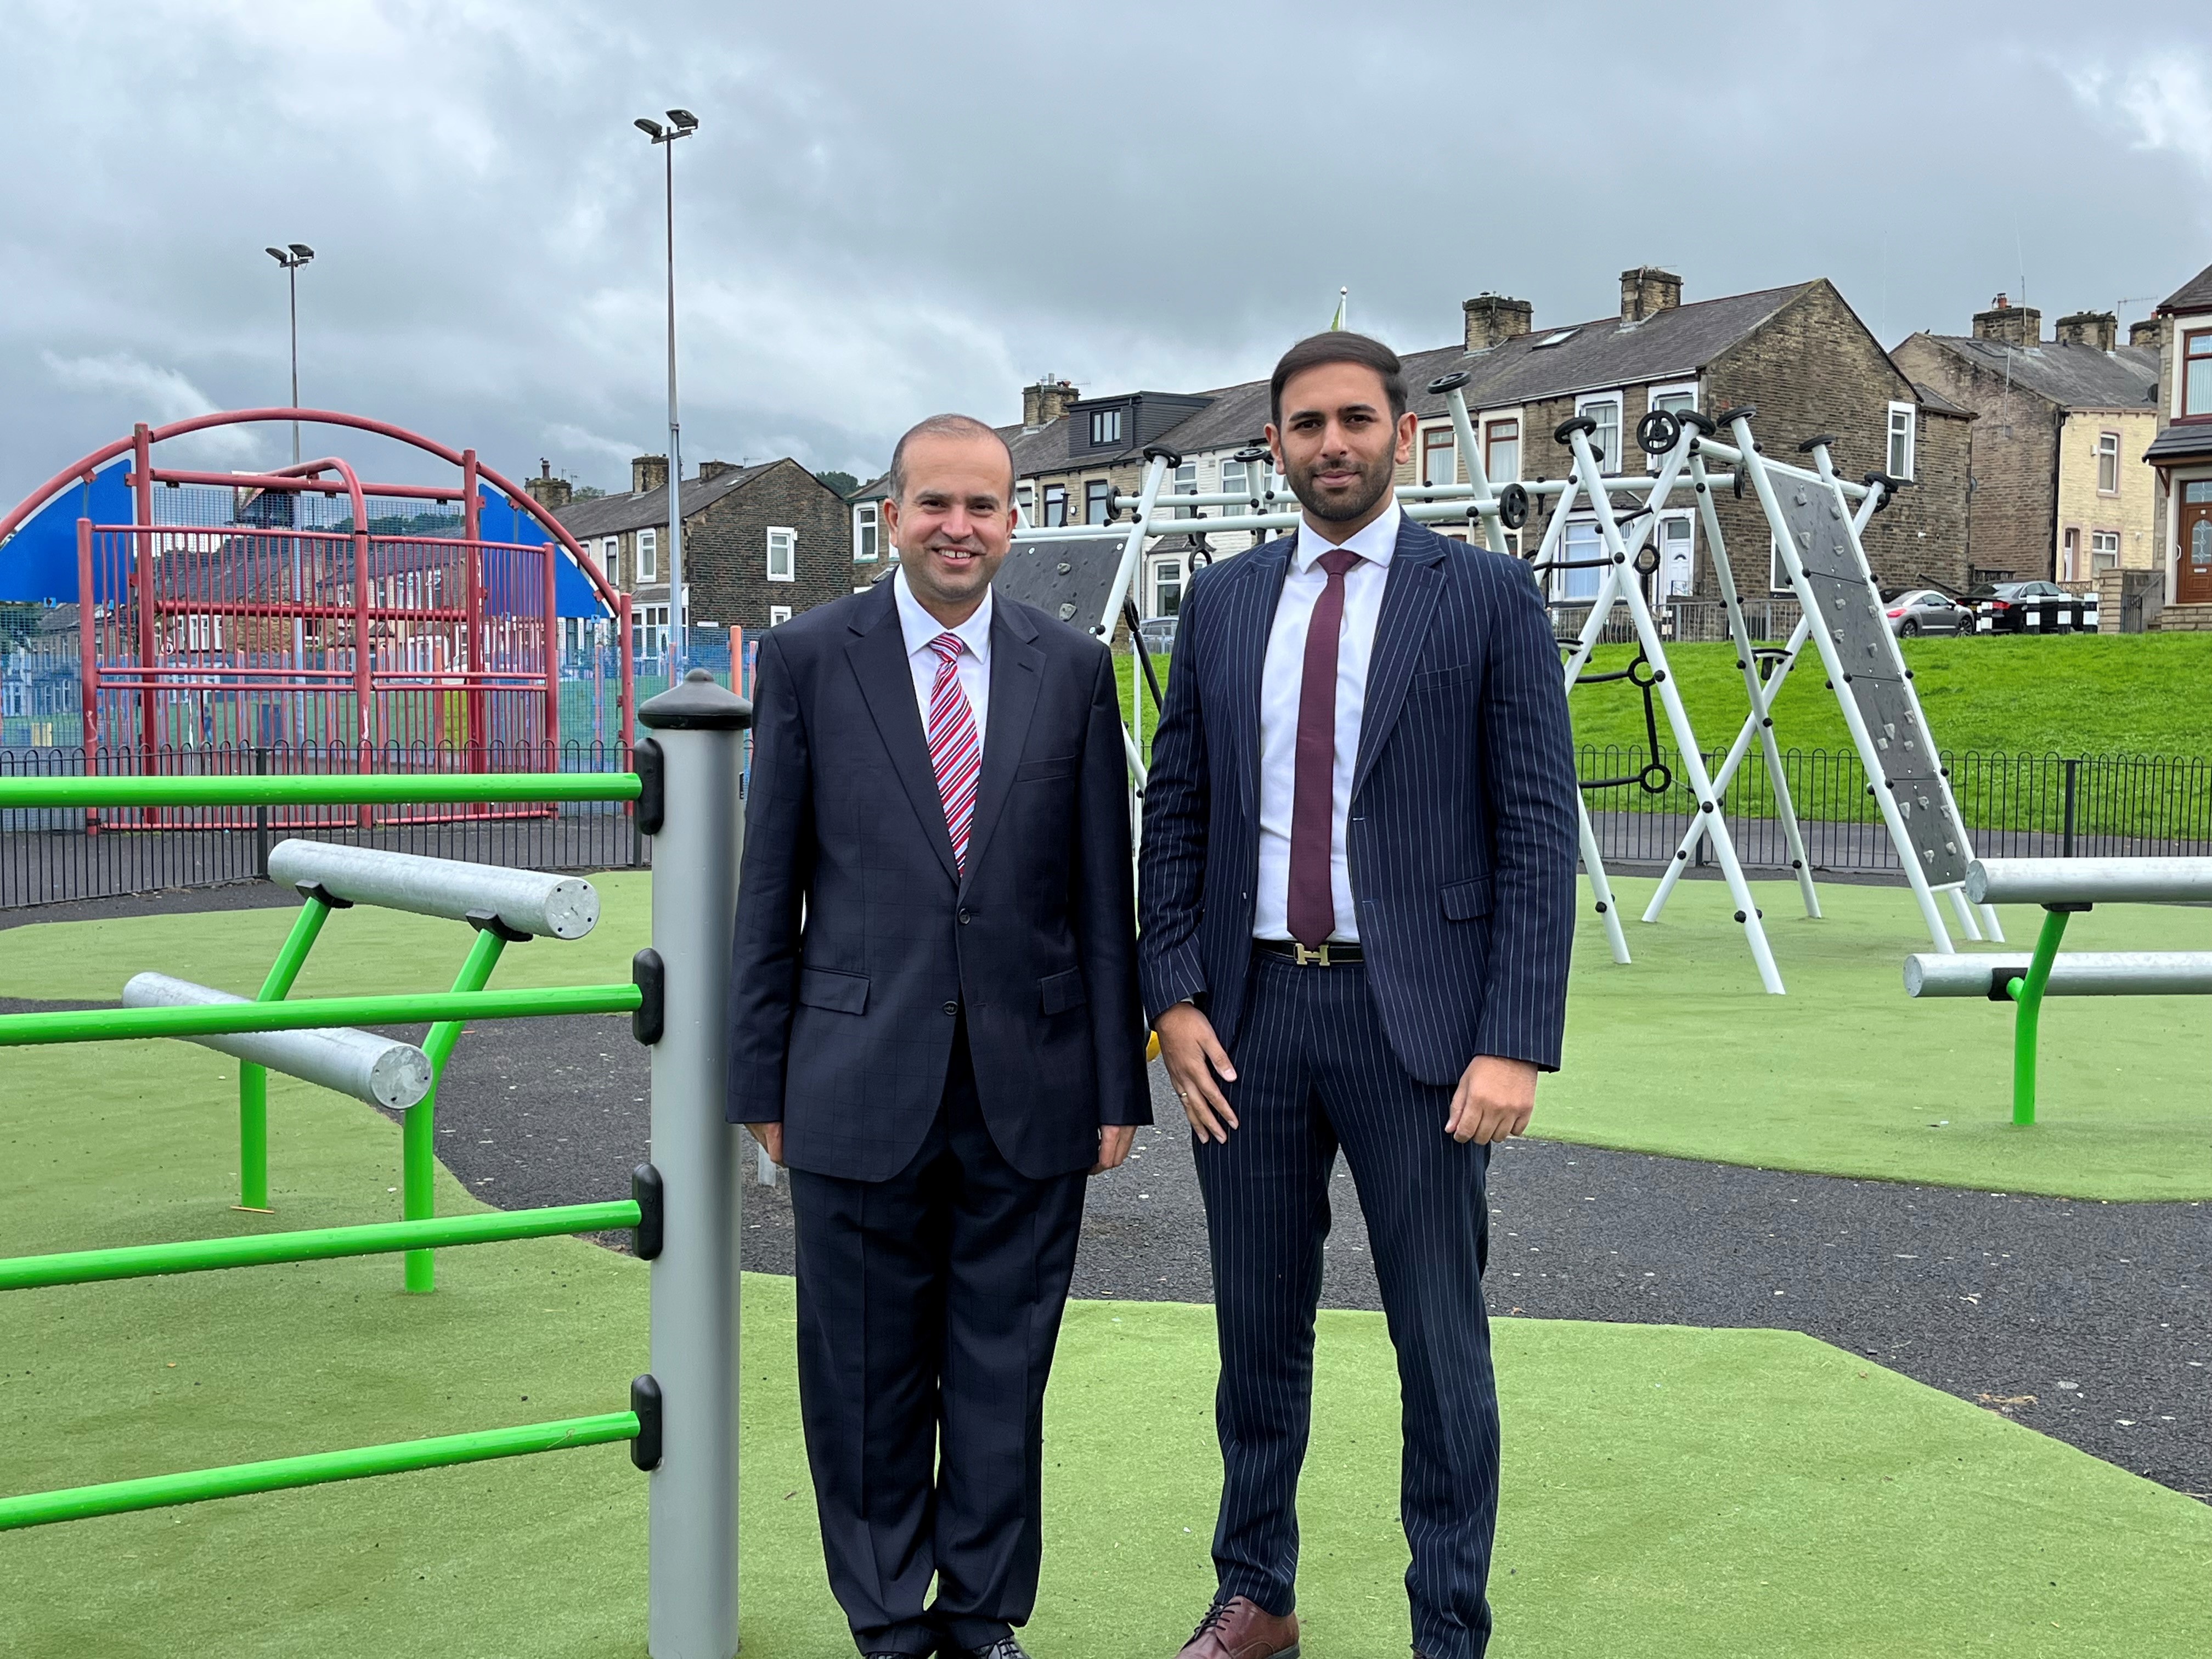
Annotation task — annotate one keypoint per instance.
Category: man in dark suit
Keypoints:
(1357, 886)
(934, 1025)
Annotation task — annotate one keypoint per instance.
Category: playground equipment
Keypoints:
(2064, 888)
(682, 1415)
(305, 616)
(1817, 537)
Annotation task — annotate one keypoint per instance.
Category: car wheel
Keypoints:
(1908, 628)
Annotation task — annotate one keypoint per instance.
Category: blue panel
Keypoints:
(502, 520)
(38, 562)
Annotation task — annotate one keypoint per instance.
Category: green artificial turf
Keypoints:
(1681, 1053)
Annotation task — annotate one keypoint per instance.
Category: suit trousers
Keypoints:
(929, 1306)
(1315, 1072)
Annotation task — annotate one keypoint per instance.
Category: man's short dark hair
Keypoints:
(1338, 346)
(944, 426)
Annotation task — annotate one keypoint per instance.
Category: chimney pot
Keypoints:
(1646, 290)
(648, 473)
(1493, 318)
(1046, 402)
(2143, 333)
(2018, 325)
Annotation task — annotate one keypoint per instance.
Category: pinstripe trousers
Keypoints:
(1315, 1072)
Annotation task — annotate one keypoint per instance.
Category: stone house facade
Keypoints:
(761, 543)
(2181, 454)
(2060, 492)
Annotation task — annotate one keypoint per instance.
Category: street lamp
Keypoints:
(682, 125)
(292, 257)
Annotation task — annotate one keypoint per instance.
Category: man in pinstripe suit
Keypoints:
(1357, 893)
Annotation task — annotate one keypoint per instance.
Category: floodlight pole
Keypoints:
(682, 125)
(292, 256)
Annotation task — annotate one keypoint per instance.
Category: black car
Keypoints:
(2031, 608)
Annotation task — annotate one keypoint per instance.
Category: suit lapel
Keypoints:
(1255, 621)
(1409, 601)
(879, 663)
(1017, 669)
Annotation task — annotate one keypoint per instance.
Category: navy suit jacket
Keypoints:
(1462, 835)
(858, 944)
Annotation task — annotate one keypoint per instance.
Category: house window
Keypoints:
(1581, 547)
(648, 630)
(2104, 550)
(1903, 417)
(1777, 575)
(610, 559)
(1439, 456)
(1186, 483)
(1105, 426)
(1673, 399)
(1056, 505)
(1606, 440)
(783, 554)
(778, 613)
(1097, 500)
(648, 556)
(2108, 463)
(2197, 374)
(1678, 575)
(2073, 561)
(866, 528)
(1025, 502)
(1167, 586)
(1235, 480)
(1501, 451)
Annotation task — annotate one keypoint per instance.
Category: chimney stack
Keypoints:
(2018, 325)
(2144, 333)
(1046, 402)
(1493, 320)
(715, 469)
(549, 492)
(648, 473)
(1646, 290)
(2100, 329)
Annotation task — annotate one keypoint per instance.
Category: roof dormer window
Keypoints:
(1105, 428)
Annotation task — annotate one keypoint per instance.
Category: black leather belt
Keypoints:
(1335, 955)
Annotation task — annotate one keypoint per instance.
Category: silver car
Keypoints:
(1925, 611)
(1158, 635)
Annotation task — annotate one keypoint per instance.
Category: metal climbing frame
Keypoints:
(681, 1421)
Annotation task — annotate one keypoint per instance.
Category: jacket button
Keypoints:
(963, 917)
(951, 1009)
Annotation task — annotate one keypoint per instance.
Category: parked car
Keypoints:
(1925, 611)
(2031, 608)
(1158, 634)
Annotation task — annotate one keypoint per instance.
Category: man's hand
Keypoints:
(1493, 1100)
(1195, 1059)
(1113, 1140)
(770, 1136)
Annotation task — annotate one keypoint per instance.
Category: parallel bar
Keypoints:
(411, 1008)
(2090, 881)
(369, 789)
(2075, 974)
(26, 1273)
(527, 901)
(161, 1490)
(380, 1071)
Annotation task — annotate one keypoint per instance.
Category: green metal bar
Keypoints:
(308, 1013)
(159, 1491)
(372, 788)
(30, 1273)
(253, 1081)
(418, 1130)
(2028, 994)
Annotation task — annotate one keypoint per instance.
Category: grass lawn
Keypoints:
(1669, 1491)
(1681, 1053)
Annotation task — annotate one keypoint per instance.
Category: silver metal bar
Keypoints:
(1407, 494)
(527, 901)
(691, 1498)
(1734, 456)
(2078, 974)
(360, 1064)
(2090, 881)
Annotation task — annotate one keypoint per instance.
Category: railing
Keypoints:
(1685, 621)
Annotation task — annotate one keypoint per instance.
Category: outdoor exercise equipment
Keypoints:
(381, 1071)
(681, 1419)
(2064, 888)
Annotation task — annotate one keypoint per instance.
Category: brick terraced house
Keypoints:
(2182, 453)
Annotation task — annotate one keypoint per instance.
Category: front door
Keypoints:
(2192, 575)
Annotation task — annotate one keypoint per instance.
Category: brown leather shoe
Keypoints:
(1237, 1629)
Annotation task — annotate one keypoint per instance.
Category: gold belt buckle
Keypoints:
(1306, 958)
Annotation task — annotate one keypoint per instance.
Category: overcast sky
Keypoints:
(891, 210)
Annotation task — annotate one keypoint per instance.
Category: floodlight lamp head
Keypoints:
(301, 251)
(649, 127)
(279, 255)
(684, 119)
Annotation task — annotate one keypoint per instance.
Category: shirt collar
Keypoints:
(919, 628)
(1374, 542)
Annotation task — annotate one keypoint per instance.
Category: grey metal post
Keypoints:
(698, 730)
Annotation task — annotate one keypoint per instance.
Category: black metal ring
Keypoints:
(1657, 432)
(1513, 507)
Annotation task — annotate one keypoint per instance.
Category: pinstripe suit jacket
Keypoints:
(1462, 836)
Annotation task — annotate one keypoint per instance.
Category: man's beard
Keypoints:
(1375, 480)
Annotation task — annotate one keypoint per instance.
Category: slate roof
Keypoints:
(2195, 294)
(2180, 442)
(611, 515)
(1931, 398)
(2071, 376)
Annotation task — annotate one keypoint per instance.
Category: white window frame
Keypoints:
(1185, 482)
(1168, 569)
(1911, 415)
(2108, 448)
(1579, 531)
(1610, 465)
(1234, 478)
(648, 556)
(2104, 557)
(1055, 495)
(1686, 517)
(1682, 395)
(781, 613)
(1777, 581)
(1025, 502)
(868, 530)
(790, 550)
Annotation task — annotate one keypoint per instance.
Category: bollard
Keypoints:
(689, 761)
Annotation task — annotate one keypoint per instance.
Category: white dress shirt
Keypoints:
(919, 628)
(1281, 679)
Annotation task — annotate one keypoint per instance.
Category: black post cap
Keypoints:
(696, 703)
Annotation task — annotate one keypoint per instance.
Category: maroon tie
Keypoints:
(1312, 909)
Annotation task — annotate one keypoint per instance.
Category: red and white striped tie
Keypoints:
(954, 754)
